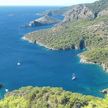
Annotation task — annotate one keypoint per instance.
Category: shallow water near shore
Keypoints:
(40, 66)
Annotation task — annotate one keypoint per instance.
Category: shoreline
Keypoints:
(82, 58)
(38, 43)
(84, 61)
(45, 46)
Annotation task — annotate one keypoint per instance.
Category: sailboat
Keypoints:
(18, 63)
(6, 90)
(73, 76)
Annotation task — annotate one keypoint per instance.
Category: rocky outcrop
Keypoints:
(43, 21)
(103, 13)
(105, 66)
(78, 12)
(105, 91)
(98, 6)
(34, 23)
(86, 11)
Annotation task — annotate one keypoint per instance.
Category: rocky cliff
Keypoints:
(87, 11)
(79, 12)
(43, 21)
(103, 12)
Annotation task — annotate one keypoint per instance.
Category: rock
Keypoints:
(78, 12)
(105, 66)
(43, 21)
(103, 13)
(105, 91)
(34, 23)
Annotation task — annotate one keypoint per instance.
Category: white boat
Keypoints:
(6, 90)
(18, 64)
(73, 76)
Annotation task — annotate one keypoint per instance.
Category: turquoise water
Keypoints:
(40, 66)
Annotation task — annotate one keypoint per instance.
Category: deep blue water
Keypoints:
(40, 66)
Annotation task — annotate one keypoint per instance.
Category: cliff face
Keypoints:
(87, 11)
(79, 12)
(43, 20)
(98, 6)
(103, 12)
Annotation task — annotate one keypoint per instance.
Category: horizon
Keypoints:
(46, 3)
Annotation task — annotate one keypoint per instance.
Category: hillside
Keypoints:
(46, 97)
(84, 26)
(98, 6)
(78, 12)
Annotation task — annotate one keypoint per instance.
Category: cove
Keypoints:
(40, 66)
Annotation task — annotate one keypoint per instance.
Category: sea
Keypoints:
(40, 66)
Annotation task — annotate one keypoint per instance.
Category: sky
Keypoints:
(43, 2)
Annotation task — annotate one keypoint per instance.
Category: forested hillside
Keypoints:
(46, 97)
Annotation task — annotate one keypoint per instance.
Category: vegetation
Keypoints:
(79, 34)
(66, 36)
(69, 35)
(98, 6)
(46, 97)
(97, 55)
(90, 34)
